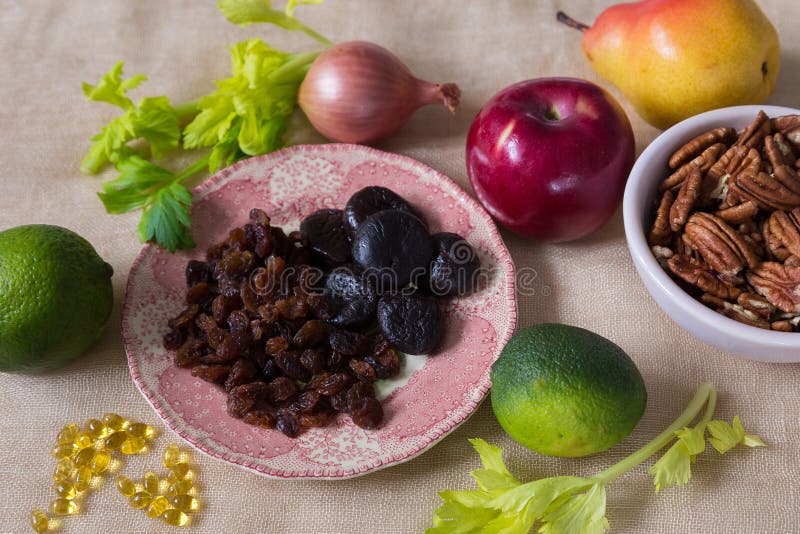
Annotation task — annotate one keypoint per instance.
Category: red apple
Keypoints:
(549, 158)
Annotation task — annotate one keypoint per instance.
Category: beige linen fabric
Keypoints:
(47, 47)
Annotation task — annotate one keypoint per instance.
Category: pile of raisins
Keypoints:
(297, 327)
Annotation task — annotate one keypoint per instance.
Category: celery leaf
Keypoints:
(153, 120)
(583, 513)
(725, 436)
(166, 219)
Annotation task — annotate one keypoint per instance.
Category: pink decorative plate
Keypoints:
(432, 396)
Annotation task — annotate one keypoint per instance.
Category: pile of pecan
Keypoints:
(727, 226)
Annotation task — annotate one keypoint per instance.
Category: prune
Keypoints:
(327, 237)
(454, 266)
(312, 334)
(216, 374)
(412, 323)
(242, 372)
(262, 418)
(287, 423)
(349, 343)
(351, 295)
(393, 246)
(366, 412)
(371, 200)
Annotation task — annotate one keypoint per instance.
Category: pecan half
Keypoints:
(700, 143)
(740, 214)
(772, 243)
(782, 326)
(660, 233)
(778, 151)
(785, 227)
(777, 191)
(735, 160)
(789, 126)
(698, 273)
(756, 304)
(753, 135)
(704, 161)
(725, 250)
(743, 315)
(779, 283)
(685, 201)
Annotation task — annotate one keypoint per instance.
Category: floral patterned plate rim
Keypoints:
(432, 396)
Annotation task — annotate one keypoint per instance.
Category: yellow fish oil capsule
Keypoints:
(132, 445)
(125, 486)
(100, 462)
(174, 517)
(63, 469)
(140, 499)
(63, 506)
(150, 482)
(157, 506)
(171, 455)
(83, 457)
(83, 441)
(141, 430)
(62, 451)
(115, 440)
(83, 478)
(65, 489)
(39, 521)
(113, 421)
(95, 428)
(179, 487)
(185, 503)
(67, 434)
(178, 472)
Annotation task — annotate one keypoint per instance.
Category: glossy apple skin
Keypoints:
(545, 178)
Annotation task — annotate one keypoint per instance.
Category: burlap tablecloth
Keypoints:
(47, 47)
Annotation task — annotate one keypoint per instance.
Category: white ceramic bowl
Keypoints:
(702, 322)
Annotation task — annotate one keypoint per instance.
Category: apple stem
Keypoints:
(563, 18)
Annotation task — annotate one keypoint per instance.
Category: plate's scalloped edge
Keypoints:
(436, 433)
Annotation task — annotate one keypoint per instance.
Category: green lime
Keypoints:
(55, 297)
(564, 391)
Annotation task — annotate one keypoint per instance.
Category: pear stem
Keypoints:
(563, 18)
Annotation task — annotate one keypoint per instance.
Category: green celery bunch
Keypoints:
(246, 115)
(577, 505)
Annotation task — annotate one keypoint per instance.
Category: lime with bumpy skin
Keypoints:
(55, 297)
(565, 391)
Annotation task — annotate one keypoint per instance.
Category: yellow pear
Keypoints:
(675, 58)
